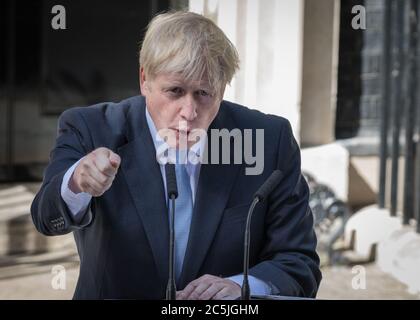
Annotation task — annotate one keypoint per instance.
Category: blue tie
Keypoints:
(183, 214)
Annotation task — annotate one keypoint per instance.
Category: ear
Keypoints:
(143, 84)
(222, 93)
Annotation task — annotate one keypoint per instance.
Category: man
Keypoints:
(106, 184)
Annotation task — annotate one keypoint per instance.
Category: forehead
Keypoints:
(178, 79)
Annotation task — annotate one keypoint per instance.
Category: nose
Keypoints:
(188, 108)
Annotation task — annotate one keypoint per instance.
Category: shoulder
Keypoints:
(103, 124)
(246, 118)
(112, 115)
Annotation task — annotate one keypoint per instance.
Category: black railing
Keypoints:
(400, 117)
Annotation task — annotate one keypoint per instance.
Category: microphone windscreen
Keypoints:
(268, 186)
(171, 186)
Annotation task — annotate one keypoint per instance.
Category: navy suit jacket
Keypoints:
(123, 238)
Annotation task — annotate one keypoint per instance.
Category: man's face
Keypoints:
(179, 107)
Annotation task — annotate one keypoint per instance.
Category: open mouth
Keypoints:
(182, 132)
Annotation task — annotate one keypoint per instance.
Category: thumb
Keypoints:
(114, 159)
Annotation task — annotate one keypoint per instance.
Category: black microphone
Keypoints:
(259, 196)
(172, 191)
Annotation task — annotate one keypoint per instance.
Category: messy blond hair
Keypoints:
(191, 45)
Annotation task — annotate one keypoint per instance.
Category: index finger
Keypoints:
(115, 160)
(187, 290)
(104, 165)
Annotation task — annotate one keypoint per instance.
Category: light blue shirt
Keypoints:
(77, 203)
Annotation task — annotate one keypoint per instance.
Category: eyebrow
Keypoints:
(177, 83)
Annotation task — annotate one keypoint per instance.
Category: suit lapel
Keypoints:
(144, 180)
(213, 190)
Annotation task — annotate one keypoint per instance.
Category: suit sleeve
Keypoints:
(50, 213)
(290, 264)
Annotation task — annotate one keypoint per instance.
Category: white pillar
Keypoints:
(320, 66)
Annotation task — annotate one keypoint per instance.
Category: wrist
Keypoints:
(73, 186)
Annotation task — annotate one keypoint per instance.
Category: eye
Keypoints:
(176, 90)
(203, 93)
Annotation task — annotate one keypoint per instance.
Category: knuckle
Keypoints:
(91, 157)
(103, 180)
(104, 169)
(205, 295)
(101, 169)
(84, 179)
(84, 185)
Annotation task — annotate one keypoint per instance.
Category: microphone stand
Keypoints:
(171, 286)
(172, 195)
(245, 285)
(261, 194)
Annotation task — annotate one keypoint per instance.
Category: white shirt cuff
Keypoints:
(76, 202)
(256, 286)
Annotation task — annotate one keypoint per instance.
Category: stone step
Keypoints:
(22, 270)
(353, 258)
(11, 191)
(11, 201)
(17, 232)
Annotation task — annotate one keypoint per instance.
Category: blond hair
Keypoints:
(191, 45)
